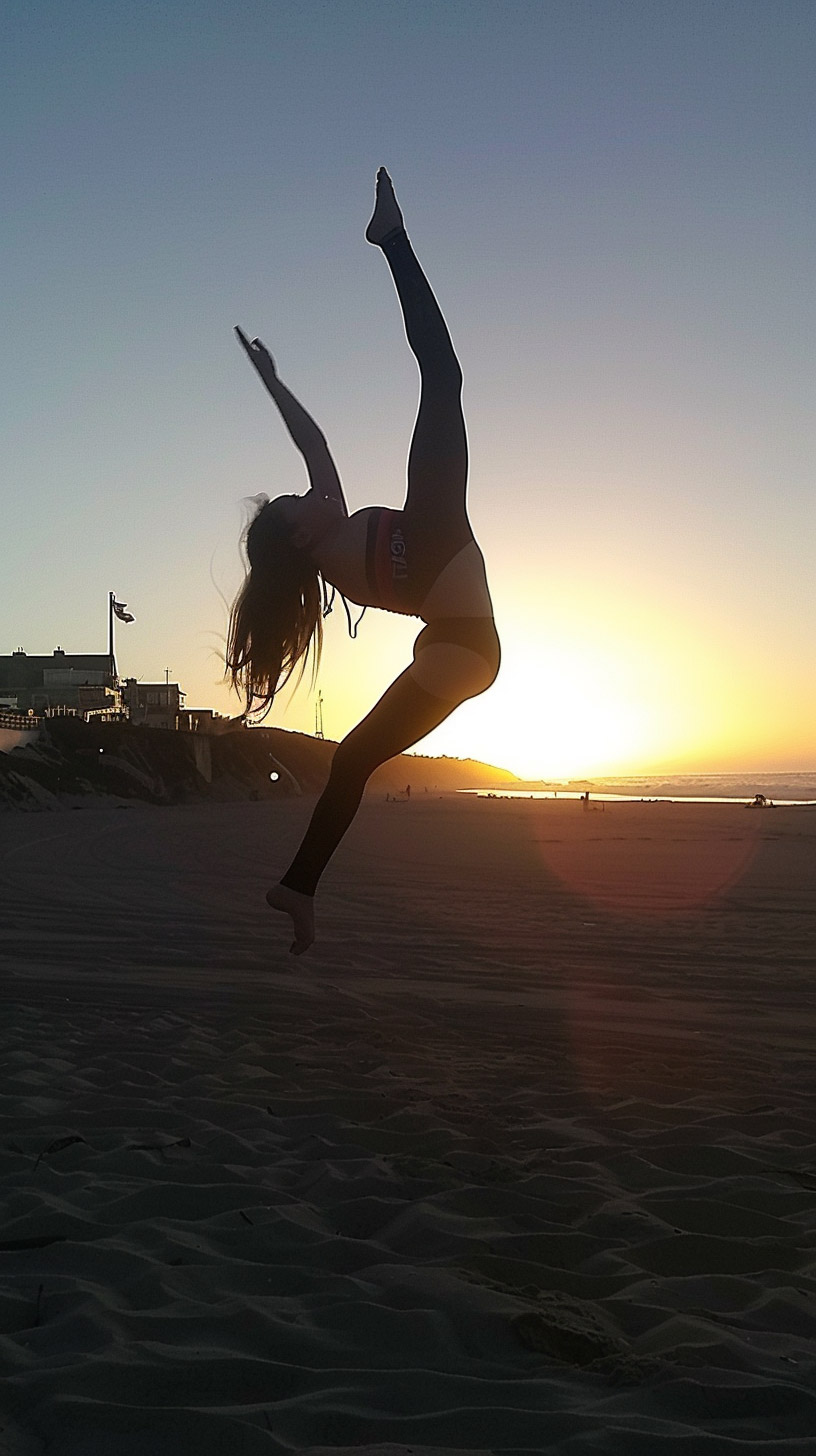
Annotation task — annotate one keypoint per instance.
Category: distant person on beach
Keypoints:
(421, 561)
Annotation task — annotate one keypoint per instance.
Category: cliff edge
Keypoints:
(73, 763)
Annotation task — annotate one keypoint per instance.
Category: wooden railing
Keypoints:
(18, 720)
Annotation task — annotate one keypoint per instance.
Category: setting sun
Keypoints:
(577, 711)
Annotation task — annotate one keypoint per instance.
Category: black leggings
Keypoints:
(435, 508)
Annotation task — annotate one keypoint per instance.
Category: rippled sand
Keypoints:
(520, 1158)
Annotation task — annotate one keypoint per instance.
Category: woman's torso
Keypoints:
(387, 558)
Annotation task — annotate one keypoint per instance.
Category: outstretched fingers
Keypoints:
(257, 352)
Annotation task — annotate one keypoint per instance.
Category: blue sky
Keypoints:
(614, 204)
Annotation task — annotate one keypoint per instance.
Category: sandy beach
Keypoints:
(520, 1158)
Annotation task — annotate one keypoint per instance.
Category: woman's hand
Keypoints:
(260, 356)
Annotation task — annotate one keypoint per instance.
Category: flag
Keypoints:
(121, 613)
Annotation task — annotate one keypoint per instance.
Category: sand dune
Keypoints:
(521, 1158)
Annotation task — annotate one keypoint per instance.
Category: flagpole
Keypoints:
(115, 609)
(110, 634)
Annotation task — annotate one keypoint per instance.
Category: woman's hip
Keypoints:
(456, 658)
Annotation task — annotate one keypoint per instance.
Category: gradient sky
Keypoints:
(614, 204)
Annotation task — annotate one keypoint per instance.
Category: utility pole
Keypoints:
(319, 716)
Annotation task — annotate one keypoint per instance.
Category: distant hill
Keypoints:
(72, 761)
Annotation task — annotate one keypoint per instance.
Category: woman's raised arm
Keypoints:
(309, 438)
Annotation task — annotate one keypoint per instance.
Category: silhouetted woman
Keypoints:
(421, 561)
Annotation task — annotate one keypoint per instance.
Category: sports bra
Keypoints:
(385, 567)
(386, 564)
(414, 570)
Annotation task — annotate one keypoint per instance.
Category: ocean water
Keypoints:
(780, 788)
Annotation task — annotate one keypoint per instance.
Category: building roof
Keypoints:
(21, 672)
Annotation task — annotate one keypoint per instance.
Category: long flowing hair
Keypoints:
(276, 618)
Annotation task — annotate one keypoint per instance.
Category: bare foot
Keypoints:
(300, 909)
(386, 217)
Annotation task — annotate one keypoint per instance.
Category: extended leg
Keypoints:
(437, 464)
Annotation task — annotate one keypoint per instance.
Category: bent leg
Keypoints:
(404, 715)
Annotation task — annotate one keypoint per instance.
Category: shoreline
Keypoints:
(610, 796)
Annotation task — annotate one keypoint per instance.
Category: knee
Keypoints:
(454, 370)
(444, 375)
(350, 763)
(452, 375)
(453, 673)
